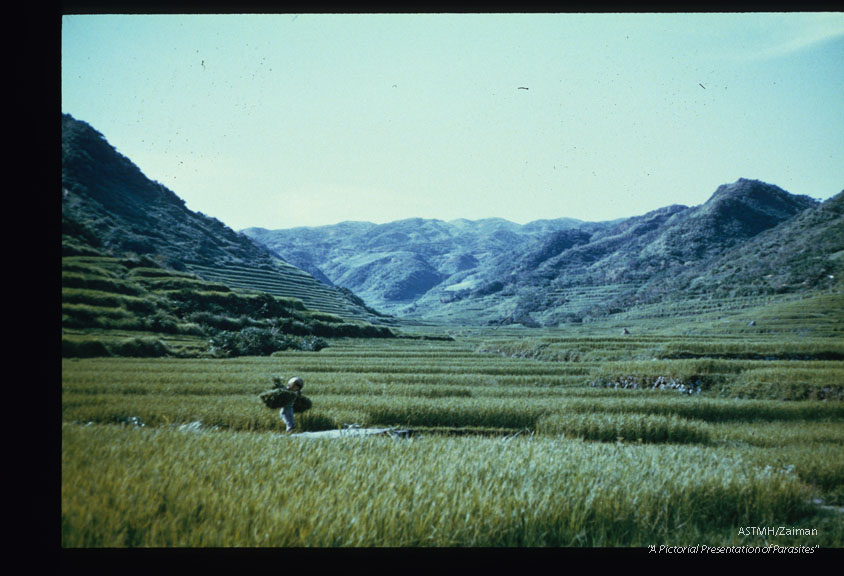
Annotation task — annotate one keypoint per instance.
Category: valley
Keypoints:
(664, 379)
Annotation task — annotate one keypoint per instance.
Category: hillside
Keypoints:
(391, 266)
(121, 212)
(555, 271)
(641, 260)
(803, 253)
(131, 306)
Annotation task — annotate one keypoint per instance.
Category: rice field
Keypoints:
(511, 448)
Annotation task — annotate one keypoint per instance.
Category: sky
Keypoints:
(285, 120)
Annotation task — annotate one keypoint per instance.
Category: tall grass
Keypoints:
(793, 383)
(633, 427)
(177, 488)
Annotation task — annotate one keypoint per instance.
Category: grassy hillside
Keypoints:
(134, 307)
(802, 254)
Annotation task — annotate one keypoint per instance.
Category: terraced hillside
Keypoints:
(414, 261)
(561, 305)
(290, 282)
(133, 307)
(109, 203)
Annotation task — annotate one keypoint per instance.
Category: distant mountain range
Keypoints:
(749, 239)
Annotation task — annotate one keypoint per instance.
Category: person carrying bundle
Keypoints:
(289, 399)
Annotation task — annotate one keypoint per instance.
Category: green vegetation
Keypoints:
(508, 450)
(688, 382)
(631, 427)
(171, 487)
(289, 283)
(133, 307)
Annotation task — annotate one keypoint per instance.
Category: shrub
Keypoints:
(138, 347)
(254, 341)
(219, 321)
(83, 348)
(134, 347)
(311, 344)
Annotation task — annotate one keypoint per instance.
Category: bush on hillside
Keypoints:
(220, 321)
(254, 341)
(83, 348)
(134, 347)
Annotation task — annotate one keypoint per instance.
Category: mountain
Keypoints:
(645, 259)
(108, 203)
(392, 265)
(750, 239)
(566, 270)
(802, 253)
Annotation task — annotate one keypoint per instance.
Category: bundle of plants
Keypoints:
(301, 404)
(277, 397)
(281, 397)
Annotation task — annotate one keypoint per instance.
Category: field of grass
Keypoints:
(523, 438)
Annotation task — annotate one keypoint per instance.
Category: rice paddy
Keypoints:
(510, 449)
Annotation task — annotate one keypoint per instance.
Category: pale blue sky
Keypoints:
(281, 120)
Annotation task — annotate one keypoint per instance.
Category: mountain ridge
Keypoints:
(520, 271)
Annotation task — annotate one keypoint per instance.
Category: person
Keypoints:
(295, 384)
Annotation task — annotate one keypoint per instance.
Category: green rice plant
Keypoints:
(780, 349)
(209, 466)
(529, 348)
(172, 487)
(819, 465)
(790, 383)
(467, 412)
(225, 413)
(629, 427)
(713, 409)
(779, 434)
